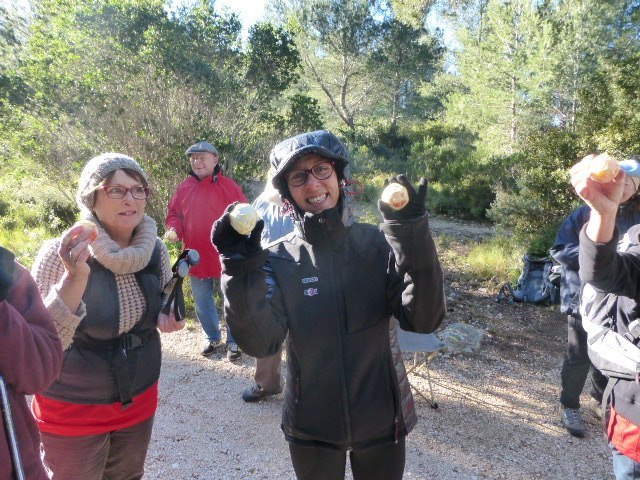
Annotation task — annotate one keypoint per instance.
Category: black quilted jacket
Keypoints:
(332, 289)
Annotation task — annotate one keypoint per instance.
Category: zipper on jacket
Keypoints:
(340, 311)
(397, 399)
(396, 424)
(396, 421)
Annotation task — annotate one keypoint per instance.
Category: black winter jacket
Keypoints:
(332, 287)
(617, 272)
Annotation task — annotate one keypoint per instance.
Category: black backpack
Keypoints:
(539, 282)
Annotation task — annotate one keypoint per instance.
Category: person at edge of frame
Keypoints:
(608, 270)
(30, 360)
(576, 364)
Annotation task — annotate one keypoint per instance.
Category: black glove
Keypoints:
(229, 242)
(7, 268)
(416, 207)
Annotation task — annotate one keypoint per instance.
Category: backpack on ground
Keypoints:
(539, 282)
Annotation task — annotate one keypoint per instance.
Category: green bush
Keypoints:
(535, 196)
(534, 210)
(367, 213)
(25, 244)
(31, 212)
(466, 199)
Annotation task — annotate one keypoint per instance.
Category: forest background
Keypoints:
(493, 117)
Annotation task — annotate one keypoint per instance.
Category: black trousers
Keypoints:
(576, 365)
(384, 462)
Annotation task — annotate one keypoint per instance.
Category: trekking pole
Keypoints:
(11, 431)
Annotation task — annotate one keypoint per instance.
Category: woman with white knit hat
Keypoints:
(102, 282)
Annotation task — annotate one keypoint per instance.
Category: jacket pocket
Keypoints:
(393, 386)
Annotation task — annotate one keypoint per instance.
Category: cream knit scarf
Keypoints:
(130, 259)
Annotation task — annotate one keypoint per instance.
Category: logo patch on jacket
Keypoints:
(310, 292)
(310, 280)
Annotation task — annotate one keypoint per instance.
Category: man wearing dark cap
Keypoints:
(198, 202)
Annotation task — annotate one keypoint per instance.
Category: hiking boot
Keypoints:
(596, 407)
(256, 393)
(233, 352)
(210, 348)
(572, 420)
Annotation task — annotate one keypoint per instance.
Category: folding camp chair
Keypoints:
(425, 347)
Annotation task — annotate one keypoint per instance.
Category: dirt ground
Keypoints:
(498, 415)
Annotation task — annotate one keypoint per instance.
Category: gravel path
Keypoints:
(497, 420)
(498, 415)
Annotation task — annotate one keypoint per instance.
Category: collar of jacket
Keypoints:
(214, 177)
(328, 226)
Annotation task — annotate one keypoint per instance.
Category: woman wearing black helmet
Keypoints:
(333, 286)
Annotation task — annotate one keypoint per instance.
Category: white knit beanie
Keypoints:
(95, 171)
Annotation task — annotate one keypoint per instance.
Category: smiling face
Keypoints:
(120, 217)
(314, 195)
(203, 163)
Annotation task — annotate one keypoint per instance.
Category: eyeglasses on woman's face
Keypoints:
(118, 192)
(298, 177)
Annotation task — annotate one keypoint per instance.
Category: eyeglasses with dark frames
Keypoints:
(118, 192)
(298, 177)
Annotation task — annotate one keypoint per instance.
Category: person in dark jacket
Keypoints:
(610, 271)
(30, 360)
(333, 288)
(576, 364)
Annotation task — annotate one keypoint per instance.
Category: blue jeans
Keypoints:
(624, 468)
(203, 290)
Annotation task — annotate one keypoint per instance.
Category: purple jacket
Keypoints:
(30, 360)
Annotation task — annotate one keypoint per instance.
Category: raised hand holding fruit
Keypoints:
(88, 228)
(243, 218)
(171, 235)
(395, 195)
(603, 168)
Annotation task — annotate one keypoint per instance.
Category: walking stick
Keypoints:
(11, 431)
